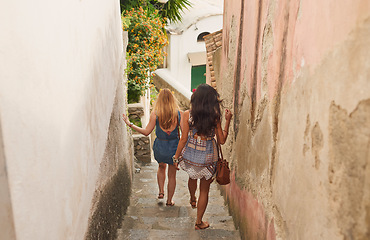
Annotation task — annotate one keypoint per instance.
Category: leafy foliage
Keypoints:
(173, 8)
(127, 5)
(170, 10)
(144, 49)
(145, 21)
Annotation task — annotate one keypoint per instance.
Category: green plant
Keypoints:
(146, 40)
(136, 122)
(170, 10)
(127, 5)
(173, 8)
(153, 95)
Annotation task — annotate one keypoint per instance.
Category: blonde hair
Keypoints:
(166, 108)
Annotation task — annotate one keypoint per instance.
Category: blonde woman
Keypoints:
(165, 117)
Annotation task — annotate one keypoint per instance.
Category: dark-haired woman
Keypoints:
(197, 149)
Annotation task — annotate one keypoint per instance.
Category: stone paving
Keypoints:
(149, 218)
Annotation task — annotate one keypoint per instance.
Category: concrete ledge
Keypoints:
(163, 79)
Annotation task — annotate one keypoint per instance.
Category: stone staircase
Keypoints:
(149, 218)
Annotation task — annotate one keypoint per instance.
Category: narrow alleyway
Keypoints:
(149, 218)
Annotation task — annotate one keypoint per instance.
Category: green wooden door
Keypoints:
(198, 76)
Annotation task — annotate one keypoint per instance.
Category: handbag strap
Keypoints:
(220, 150)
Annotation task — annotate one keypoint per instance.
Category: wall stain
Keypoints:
(317, 143)
(226, 39)
(367, 221)
(237, 73)
(255, 69)
(306, 139)
(111, 207)
(349, 138)
(277, 98)
(267, 47)
(113, 188)
(283, 228)
(258, 118)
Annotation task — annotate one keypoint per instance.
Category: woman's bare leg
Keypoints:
(203, 199)
(192, 185)
(161, 176)
(171, 182)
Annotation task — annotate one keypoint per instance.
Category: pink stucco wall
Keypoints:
(313, 29)
(249, 212)
(298, 72)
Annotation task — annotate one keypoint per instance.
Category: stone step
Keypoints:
(148, 222)
(149, 218)
(175, 234)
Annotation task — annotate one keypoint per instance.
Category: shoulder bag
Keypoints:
(223, 170)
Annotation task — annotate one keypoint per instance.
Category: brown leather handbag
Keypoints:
(223, 170)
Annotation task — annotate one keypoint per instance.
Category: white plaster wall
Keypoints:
(59, 68)
(6, 213)
(145, 100)
(181, 45)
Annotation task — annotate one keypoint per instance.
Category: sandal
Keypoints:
(193, 203)
(170, 204)
(160, 195)
(201, 225)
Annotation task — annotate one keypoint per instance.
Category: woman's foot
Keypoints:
(170, 204)
(193, 203)
(201, 225)
(160, 195)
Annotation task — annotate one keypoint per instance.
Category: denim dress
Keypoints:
(165, 145)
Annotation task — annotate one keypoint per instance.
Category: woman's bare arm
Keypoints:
(184, 124)
(149, 127)
(222, 134)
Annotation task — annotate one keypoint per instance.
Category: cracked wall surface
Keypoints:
(299, 72)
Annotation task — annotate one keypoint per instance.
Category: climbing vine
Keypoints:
(146, 39)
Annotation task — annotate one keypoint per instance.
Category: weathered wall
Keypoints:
(6, 213)
(61, 97)
(113, 187)
(299, 72)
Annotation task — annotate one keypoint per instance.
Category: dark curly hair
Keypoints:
(205, 109)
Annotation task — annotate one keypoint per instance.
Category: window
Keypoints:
(200, 36)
